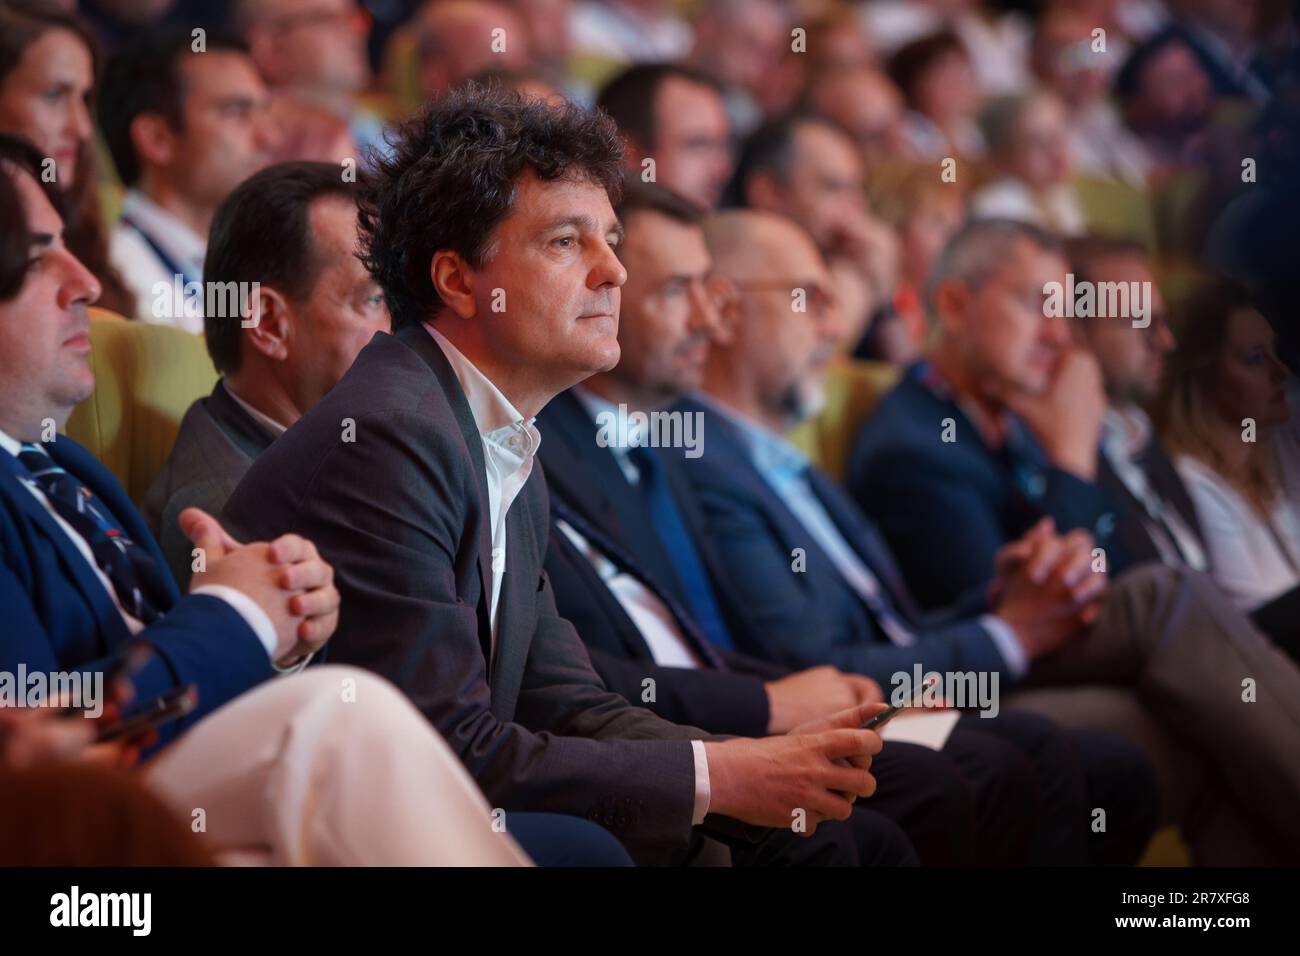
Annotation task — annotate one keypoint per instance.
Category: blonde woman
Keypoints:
(1225, 420)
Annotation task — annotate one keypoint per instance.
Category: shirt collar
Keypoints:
(492, 411)
(596, 405)
(266, 421)
(771, 453)
(182, 242)
(1126, 431)
(10, 444)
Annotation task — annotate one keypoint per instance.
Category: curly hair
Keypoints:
(451, 180)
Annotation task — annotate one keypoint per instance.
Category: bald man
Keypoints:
(811, 580)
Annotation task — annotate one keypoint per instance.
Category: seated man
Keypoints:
(652, 630)
(490, 231)
(83, 586)
(820, 585)
(1154, 516)
(292, 230)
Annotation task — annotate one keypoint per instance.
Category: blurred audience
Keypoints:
(925, 212)
(1166, 96)
(458, 39)
(806, 168)
(1032, 167)
(311, 55)
(47, 88)
(184, 128)
(675, 123)
(867, 104)
(1225, 419)
(736, 41)
(1067, 61)
(936, 79)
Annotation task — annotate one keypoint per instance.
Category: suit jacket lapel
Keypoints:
(244, 431)
(422, 343)
(112, 627)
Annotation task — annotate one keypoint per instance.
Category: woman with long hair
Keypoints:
(1225, 420)
(48, 63)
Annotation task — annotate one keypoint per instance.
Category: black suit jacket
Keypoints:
(217, 443)
(587, 479)
(386, 475)
(1131, 534)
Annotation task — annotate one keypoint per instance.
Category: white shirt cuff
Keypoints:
(702, 792)
(248, 609)
(1008, 645)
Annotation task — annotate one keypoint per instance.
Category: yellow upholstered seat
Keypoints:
(146, 376)
(853, 387)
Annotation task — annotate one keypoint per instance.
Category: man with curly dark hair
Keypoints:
(491, 231)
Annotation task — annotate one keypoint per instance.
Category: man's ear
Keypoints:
(272, 324)
(454, 282)
(153, 139)
(727, 308)
(951, 304)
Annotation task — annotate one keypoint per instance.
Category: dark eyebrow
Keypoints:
(42, 239)
(582, 223)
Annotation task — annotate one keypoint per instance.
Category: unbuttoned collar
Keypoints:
(497, 419)
(771, 453)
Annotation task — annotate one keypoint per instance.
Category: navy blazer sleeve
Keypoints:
(788, 625)
(200, 640)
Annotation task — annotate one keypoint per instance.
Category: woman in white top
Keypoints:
(1224, 418)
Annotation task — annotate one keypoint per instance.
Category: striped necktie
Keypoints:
(128, 566)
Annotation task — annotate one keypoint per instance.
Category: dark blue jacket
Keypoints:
(58, 616)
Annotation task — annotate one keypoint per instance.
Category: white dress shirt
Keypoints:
(509, 446)
(141, 268)
(263, 419)
(653, 619)
(1254, 558)
(246, 607)
(784, 468)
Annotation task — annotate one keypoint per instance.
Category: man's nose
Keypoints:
(607, 270)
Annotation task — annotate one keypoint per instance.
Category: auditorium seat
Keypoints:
(146, 376)
(853, 387)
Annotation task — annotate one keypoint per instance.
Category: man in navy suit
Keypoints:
(1042, 612)
(618, 581)
(996, 430)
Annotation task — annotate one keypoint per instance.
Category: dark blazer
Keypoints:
(386, 475)
(59, 616)
(1134, 540)
(813, 616)
(218, 441)
(585, 477)
(946, 507)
